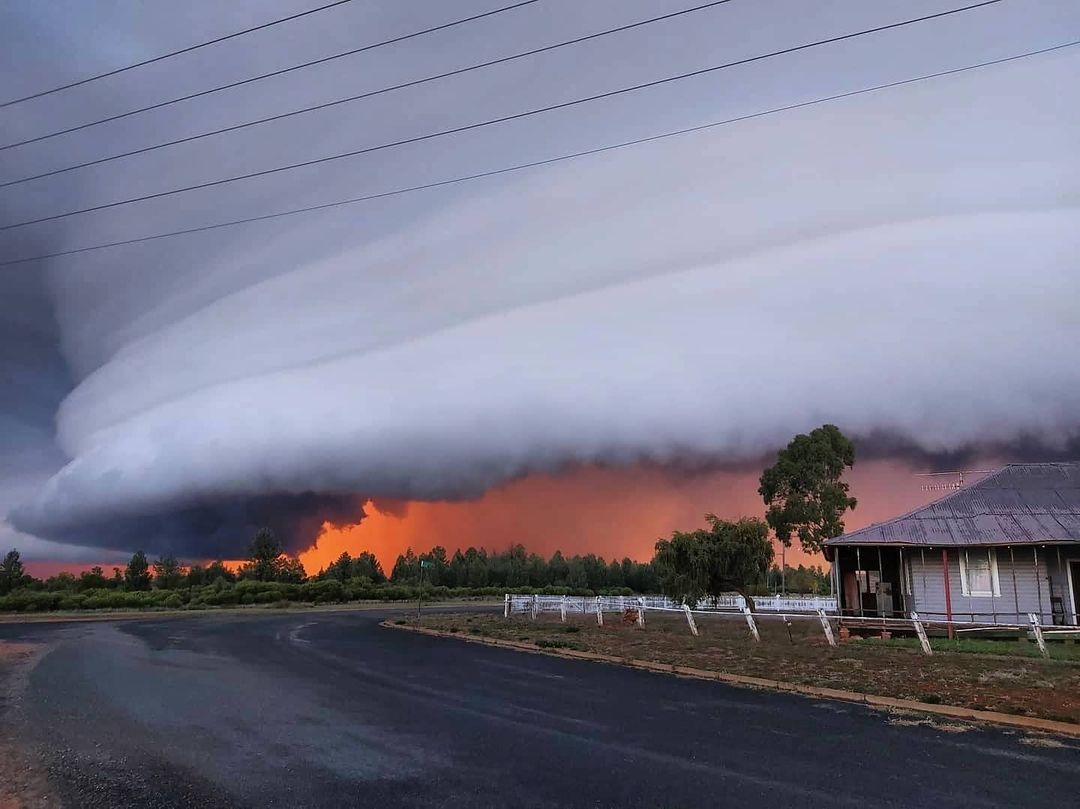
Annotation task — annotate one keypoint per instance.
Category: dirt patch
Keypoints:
(1007, 683)
(22, 783)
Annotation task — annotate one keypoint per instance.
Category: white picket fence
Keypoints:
(732, 602)
(786, 609)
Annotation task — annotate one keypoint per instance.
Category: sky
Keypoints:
(612, 334)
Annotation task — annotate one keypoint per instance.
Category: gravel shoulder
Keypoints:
(23, 782)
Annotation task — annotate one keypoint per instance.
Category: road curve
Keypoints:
(330, 710)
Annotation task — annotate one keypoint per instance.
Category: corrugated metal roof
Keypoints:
(1021, 504)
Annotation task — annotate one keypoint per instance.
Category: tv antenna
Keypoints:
(950, 485)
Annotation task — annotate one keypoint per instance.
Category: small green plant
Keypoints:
(933, 699)
(570, 630)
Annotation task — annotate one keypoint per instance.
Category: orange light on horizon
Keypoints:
(612, 512)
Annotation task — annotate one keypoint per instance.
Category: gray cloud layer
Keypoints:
(900, 264)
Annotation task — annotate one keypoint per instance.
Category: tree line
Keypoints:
(803, 494)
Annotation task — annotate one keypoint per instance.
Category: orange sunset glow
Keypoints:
(612, 512)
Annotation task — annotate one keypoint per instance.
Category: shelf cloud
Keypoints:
(901, 264)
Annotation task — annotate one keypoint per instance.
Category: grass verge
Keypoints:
(1004, 681)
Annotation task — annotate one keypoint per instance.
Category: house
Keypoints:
(993, 552)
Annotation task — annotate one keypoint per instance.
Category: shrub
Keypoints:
(396, 592)
(327, 591)
(71, 602)
(174, 601)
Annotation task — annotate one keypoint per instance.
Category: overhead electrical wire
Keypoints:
(239, 83)
(171, 54)
(535, 163)
(491, 121)
(369, 94)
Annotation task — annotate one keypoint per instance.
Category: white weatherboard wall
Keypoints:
(1021, 585)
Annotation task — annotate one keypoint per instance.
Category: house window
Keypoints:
(868, 580)
(979, 573)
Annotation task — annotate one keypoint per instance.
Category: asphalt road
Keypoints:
(330, 710)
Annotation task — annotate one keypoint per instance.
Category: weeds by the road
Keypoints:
(1005, 676)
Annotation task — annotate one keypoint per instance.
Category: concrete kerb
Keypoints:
(951, 711)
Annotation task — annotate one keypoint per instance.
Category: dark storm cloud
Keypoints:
(213, 528)
(901, 264)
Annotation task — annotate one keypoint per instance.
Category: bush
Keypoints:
(396, 592)
(327, 591)
(174, 601)
(30, 601)
(71, 602)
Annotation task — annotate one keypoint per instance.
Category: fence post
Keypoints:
(690, 620)
(641, 611)
(825, 625)
(599, 613)
(750, 623)
(1036, 629)
(562, 609)
(506, 606)
(535, 606)
(920, 630)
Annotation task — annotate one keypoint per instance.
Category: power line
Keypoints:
(369, 94)
(489, 122)
(171, 54)
(535, 163)
(271, 74)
